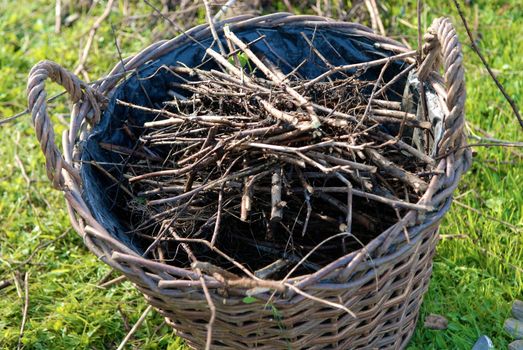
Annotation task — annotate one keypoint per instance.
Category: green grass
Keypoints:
(474, 280)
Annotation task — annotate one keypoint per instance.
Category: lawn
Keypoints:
(476, 274)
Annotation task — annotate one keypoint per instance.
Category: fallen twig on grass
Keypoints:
(490, 217)
(114, 281)
(135, 328)
(24, 310)
(476, 49)
(80, 68)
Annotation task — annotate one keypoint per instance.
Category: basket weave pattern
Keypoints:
(383, 283)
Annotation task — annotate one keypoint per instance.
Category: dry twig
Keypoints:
(476, 49)
(80, 68)
(24, 310)
(135, 328)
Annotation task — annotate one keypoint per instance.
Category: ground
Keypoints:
(478, 268)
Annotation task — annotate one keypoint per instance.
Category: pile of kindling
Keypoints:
(247, 168)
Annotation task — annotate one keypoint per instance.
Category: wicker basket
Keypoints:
(382, 284)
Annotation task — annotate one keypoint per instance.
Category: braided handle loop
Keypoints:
(442, 41)
(37, 102)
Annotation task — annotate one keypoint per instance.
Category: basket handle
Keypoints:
(442, 41)
(37, 103)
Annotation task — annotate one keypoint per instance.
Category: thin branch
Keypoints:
(363, 65)
(58, 16)
(377, 24)
(223, 10)
(218, 216)
(320, 300)
(135, 328)
(24, 310)
(212, 308)
(114, 281)
(213, 28)
(484, 61)
(276, 202)
(490, 217)
(90, 38)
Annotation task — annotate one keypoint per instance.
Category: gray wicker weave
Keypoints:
(382, 284)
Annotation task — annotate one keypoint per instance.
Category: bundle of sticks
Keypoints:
(247, 168)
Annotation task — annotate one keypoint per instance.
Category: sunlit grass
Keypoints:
(475, 279)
